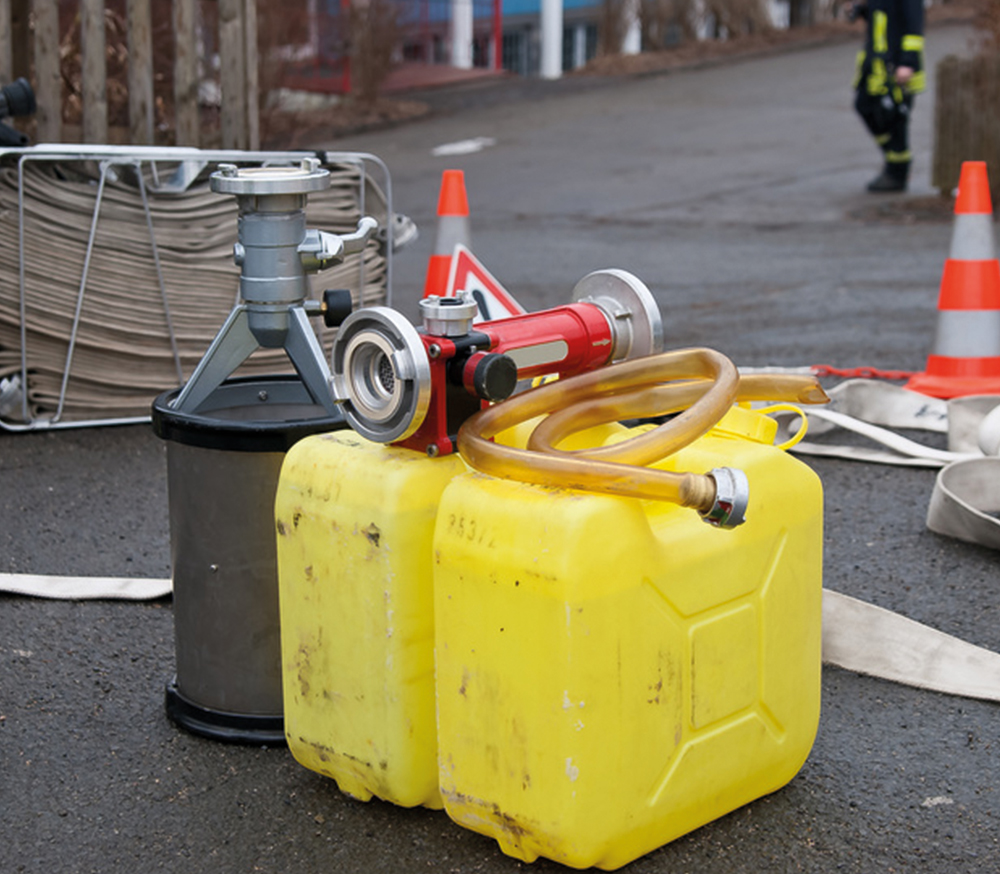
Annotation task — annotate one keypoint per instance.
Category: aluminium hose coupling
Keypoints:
(732, 494)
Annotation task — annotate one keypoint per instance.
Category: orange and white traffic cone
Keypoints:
(452, 229)
(966, 356)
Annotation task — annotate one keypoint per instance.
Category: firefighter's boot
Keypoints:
(892, 178)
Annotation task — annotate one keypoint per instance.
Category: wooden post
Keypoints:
(965, 126)
(252, 75)
(232, 42)
(6, 43)
(94, 71)
(944, 75)
(186, 123)
(140, 72)
(47, 86)
(988, 99)
(21, 47)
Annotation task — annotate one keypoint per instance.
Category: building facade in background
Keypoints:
(503, 34)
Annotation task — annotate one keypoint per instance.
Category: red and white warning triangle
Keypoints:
(468, 275)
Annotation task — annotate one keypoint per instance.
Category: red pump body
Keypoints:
(466, 371)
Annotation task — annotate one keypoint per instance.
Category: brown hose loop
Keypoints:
(701, 382)
(692, 490)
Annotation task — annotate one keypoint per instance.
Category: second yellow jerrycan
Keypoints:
(612, 672)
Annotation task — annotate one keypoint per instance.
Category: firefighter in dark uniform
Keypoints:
(890, 71)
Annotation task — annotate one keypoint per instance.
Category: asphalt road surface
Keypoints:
(736, 193)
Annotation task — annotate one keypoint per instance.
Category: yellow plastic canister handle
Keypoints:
(788, 408)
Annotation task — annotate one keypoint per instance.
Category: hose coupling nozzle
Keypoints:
(732, 494)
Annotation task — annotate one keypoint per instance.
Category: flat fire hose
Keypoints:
(867, 639)
(84, 588)
(857, 636)
(870, 640)
(966, 496)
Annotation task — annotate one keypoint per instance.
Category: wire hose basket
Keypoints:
(116, 272)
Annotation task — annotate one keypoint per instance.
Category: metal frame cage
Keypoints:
(86, 235)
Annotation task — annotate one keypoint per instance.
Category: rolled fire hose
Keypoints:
(966, 500)
(123, 356)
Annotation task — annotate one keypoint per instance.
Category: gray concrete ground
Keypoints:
(735, 192)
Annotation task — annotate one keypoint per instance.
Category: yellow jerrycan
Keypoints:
(612, 672)
(355, 524)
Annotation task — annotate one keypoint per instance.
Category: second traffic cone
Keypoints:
(452, 229)
(966, 356)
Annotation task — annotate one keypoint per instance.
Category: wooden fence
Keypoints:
(966, 120)
(30, 47)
